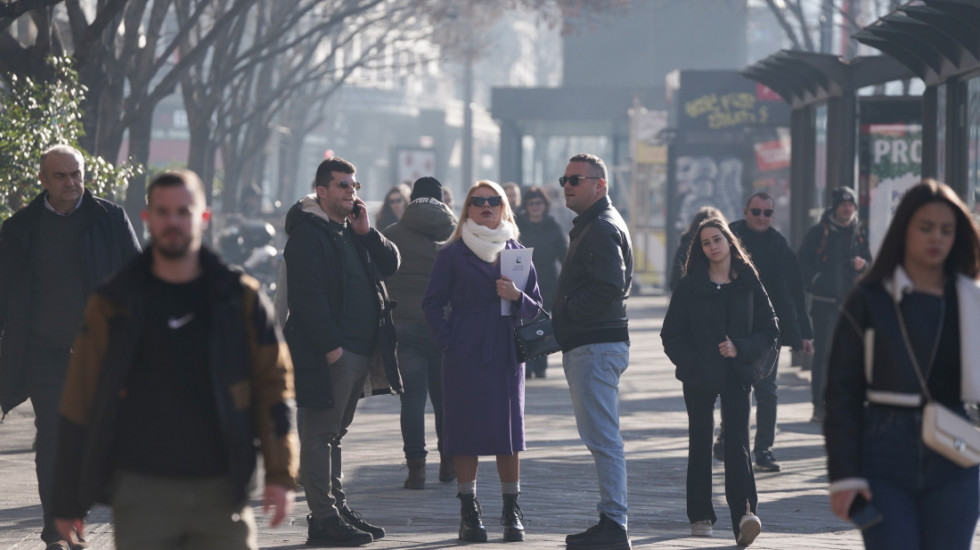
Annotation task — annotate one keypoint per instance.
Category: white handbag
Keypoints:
(943, 431)
(950, 435)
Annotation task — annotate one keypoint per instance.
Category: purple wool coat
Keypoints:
(482, 382)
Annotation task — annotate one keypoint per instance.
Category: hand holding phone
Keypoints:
(863, 513)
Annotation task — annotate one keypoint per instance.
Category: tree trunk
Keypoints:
(140, 132)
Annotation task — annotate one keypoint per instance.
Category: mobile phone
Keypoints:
(862, 513)
(355, 210)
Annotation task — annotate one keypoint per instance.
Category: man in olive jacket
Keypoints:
(593, 330)
(53, 253)
(340, 336)
(178, 371)
(419, 234)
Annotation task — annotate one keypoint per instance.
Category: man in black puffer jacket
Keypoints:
(419, 234)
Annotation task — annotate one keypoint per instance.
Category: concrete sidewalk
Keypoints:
(558, 482)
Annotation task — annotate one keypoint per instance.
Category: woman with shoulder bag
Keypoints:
(718, 323)
(482, 380)
(905, 342)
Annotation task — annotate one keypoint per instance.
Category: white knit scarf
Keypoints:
(486, 243)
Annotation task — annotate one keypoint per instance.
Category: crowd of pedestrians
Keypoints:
(158, 377)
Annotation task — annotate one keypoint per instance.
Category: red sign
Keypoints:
(765, 93)
(771, 155)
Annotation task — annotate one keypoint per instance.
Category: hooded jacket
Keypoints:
(825, 258)
(249, 364)
(107, 241)
(316, 289)
(419, 234)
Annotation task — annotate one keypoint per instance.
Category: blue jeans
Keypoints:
(593, 372)
(926, 501)
(420, 363)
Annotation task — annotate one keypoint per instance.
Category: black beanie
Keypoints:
(841, 194)
(427, 187)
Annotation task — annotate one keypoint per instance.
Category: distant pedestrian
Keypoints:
(419, 234)
(679, 264)
(592, 328)
(53, 254)
(833, 254)
(177, 378)
(513, 192)
(718, 316)
(393, 206)
(779, 272)
(541, 232)
(482, 382)
(906, 336)
(340, 335)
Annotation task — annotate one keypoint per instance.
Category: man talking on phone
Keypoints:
(339, 332)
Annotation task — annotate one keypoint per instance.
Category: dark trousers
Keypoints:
(420, 363)
(740, 489)
(46, 398)
(765, 410)
(824, 317)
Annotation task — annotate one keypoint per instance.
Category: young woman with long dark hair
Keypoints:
(719, 316)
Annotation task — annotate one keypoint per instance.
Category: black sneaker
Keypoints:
(335, 531)
(765, 461)
(358, 522)
(605, 535)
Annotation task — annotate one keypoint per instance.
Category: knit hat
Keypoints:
(842, 194)
(427, 187)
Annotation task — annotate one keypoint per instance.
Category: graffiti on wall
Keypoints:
(708, 181)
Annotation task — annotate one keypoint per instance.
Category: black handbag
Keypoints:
(754, 371)
(536, 338)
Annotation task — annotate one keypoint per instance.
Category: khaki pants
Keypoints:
(158, 513)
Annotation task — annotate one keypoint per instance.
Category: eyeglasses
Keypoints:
(756, 211)
(349, 183)
(575, 180)
(481, 201)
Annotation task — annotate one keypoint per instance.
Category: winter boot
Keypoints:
(471, 527)
(416, 474)
(511, 518)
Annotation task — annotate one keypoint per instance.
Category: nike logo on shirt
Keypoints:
(177, 322)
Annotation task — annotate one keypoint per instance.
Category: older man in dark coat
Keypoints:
(53, 253)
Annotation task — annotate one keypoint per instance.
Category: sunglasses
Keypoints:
(575, 180)
(756, 211)
(482, 201)
(349, 183)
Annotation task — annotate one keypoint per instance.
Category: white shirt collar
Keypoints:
(52, 209)
(899, 285)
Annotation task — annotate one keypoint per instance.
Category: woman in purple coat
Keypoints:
(483, 384)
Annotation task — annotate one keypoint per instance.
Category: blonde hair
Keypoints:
(506, 213)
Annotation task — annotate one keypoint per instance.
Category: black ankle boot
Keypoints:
(511, 518)
(471, 527)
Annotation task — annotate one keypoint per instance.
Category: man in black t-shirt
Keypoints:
(178, 370)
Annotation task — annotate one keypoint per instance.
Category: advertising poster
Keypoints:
(891, 163)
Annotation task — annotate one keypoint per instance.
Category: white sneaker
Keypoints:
(749, 528)
(701, 528)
